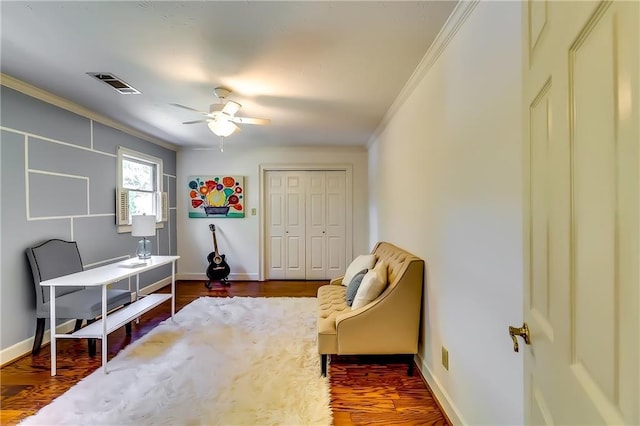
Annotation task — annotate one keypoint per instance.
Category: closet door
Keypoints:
(306, 219)
(335, 223)
(286, 225)
(326, 216)
(316, 244)
(295, 225)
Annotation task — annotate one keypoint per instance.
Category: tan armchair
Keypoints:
(388, 325)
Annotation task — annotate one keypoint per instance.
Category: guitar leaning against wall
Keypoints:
(218, 269)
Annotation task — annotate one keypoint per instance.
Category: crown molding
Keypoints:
(43, 95)
(455, 21)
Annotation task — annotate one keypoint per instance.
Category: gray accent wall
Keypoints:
(58, 180)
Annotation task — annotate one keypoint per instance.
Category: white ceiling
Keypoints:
(325, 73)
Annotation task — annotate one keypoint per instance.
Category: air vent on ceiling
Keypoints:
(114, 82)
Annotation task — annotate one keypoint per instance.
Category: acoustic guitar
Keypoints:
(218, 269)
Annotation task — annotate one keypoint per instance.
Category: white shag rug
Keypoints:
(225, 361)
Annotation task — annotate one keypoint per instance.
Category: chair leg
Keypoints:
(410, 365)
(37, 340)
(323, 364)
(78, 325)
(127, 326)
(91, 342)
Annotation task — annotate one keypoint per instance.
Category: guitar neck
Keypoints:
(215, 242)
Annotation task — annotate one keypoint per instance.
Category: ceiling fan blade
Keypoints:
(194, 122)
(247, 120)
(231, 107)
(190, 109)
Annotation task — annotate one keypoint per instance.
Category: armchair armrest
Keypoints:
(336, 281)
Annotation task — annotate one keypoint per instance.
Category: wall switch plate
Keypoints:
(253, 211)
(445, 358)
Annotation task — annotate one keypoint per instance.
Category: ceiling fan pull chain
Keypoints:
(221, 143)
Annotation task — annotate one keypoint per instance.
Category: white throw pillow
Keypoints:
(372, 285)
(364, 261)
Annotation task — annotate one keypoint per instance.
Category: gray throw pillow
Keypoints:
(353, 286)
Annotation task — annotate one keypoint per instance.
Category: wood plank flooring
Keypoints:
(364, 390)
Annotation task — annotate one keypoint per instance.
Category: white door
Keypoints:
(286, 225)
(275, 219)
(295, 225)
(306, 219)
(326, 218)
(316, 256)
(580, 80)
(335, 224)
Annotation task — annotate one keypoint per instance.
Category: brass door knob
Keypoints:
(522, 332)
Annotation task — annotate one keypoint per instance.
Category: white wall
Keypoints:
(238, 239)
(448, 187)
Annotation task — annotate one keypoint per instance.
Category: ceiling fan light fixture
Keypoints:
(222, 128)
(221, 92)
(221, 117)
(231, 107)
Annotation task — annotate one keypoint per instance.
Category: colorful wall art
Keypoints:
(216, 196)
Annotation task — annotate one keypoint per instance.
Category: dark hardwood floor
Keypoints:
(364, 391)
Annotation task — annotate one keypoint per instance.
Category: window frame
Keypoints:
(124, 153)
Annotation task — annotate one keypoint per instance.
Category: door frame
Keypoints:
(307, 167)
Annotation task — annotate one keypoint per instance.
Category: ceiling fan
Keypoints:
(221, 117)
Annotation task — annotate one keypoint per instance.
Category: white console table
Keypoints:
(103, 276)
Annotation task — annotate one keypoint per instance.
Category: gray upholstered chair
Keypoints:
(55, 258)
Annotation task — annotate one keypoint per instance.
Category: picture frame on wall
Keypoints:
(216, 196)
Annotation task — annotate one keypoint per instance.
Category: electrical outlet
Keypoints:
(445, 358)
(253, 211)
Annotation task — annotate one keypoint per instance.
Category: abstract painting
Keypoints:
(216, 196)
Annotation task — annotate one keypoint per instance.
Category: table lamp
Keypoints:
(143, 226)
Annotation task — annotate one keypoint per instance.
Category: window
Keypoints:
(139, 187)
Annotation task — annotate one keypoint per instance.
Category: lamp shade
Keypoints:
(143, 225)
(222, 128)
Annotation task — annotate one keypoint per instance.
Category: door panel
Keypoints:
(336, 223)
(335, 256)
(580, 80)
(275, 225)
(295, 228)
(326, 227)
(594, 226)
(277, 248)
(315, 257)
(540, 191)
(293, 259)
(316, 218)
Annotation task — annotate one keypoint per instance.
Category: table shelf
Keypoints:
(102, 276)
(122, 316)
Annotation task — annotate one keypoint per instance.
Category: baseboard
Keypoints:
(22, 348)
(232, 277)
(442, 397)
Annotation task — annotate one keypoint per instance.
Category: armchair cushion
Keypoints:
(364, 261)
(373, 284)
(331, 304)
(353, 286)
